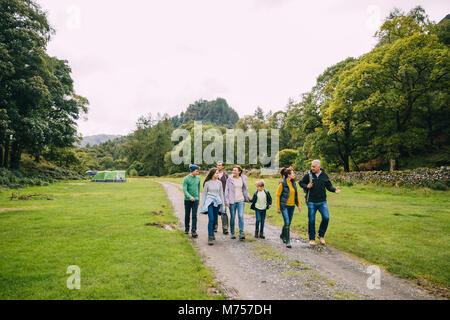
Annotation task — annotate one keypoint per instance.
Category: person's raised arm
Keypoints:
(329, 186)
(304, 182)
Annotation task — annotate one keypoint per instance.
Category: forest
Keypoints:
(385, 110)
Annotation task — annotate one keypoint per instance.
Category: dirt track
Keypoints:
(265, 269)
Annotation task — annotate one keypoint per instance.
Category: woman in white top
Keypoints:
(212, 201)
(236, 194)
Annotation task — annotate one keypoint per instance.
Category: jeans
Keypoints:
(239, 206)
(312, 209)
(288, 213)
(260, 218)
(188, 206)
(213, 213)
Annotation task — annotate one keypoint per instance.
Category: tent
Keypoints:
(109, 176)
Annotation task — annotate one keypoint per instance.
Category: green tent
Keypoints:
(109, 176)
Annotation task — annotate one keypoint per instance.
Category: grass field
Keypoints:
(112, 231)
(405, 230)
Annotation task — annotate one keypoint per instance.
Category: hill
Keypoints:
(216, 112)
(96, 139)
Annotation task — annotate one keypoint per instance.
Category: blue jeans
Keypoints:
(239, 206)
(288, 213)
(260, 218)
(188, 206)
(212, 218)
(312, 209)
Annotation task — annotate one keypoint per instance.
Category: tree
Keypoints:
(36, 90)
(287, 157)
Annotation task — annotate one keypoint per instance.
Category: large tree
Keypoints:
(36, 90)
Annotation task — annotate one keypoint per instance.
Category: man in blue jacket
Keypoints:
(314, 183)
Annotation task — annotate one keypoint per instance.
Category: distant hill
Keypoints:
(216, 112)
(96, 139)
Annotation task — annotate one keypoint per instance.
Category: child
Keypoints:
(261, 201)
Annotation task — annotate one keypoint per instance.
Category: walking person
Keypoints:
(191, 190)
(288, 196)
(223, 176)
(314, 183)
(236, 194)
(261, 201)
(212, 201)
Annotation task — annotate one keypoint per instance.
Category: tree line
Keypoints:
(386, 108)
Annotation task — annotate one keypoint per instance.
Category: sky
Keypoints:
(131, 58)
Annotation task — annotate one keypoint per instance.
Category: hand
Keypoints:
(270, 207)
(338, 190)
(192, 199)
(279, 211)
(228, 205)
(309, 186)
(300, 209)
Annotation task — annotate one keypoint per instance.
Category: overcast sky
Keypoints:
(130, 58)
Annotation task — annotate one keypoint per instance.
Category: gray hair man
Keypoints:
(315, 183)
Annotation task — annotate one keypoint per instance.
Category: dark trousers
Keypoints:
(260, 218)
(224, 220)
(188, 207)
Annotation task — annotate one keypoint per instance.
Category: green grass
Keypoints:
(405, 230)
(105, 229)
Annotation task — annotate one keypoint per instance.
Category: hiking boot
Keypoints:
(210, 241)
(256, 233)
(194, 234)
(312, 242)
(233, 236)
(261, 235)
(288, 237)
(322, 241)
(282, 235)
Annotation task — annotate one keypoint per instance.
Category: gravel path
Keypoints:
(262, 269)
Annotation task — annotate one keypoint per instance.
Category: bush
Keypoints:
(133, 173)
(35, 175)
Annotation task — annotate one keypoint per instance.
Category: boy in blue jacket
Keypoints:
(261, 201)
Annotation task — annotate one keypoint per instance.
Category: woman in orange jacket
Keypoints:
(288, 196)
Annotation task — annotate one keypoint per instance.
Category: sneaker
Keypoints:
(233, 236)
(194, 234)
(261, 235)
(225, 232)
(312, 243)
(241, 237)
(322, 241)
(186, 231)
(210, 241)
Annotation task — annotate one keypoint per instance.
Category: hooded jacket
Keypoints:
(320, 184)
(229, 189)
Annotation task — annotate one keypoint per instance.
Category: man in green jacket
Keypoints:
(191, 190)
